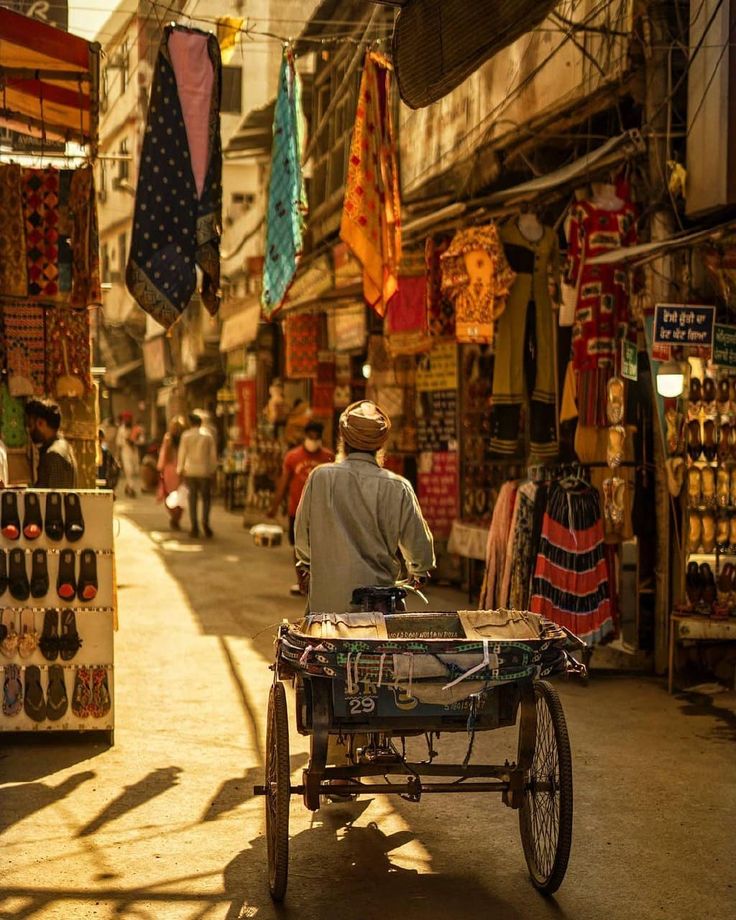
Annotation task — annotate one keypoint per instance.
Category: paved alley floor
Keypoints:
(164, 824)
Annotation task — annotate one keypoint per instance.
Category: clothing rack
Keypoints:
(542, 472)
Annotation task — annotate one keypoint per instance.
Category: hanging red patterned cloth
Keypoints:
(440, 309)
(371, 217)
(405, 325)
(67, 347)
(40, 190)
(302, 344)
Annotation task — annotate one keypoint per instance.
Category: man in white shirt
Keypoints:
(197, 464)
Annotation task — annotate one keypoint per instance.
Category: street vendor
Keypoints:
(354, 517)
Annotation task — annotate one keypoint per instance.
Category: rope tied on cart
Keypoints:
(479, 667)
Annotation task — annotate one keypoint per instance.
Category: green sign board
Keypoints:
(629, 360)
(724, 345)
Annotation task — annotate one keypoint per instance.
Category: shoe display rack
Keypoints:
(57, 611)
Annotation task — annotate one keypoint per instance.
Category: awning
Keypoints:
(645, 251)
(241, 329)
(114, 375)
(50, 79)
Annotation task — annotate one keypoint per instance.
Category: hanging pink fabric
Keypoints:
(194, 81)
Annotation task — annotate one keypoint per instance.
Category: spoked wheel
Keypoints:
(545, 816)
(278, 791)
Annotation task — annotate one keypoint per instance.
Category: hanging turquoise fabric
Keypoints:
(287, 200)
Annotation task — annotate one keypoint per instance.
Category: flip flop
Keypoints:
(66, 582)
(28, 642)
(12, 691)
(709, 396)
(723, 487)
(39, 573)
(34, 703)
(20, 589)
(694, 486)
(74, 522)
(723, 396)
(54, 522)
(9, 645)
(722, 532)
(9, 518)
(82, 694)
(3, 572)
(615, 403)
(69, 643)
(32, 522)
(57, 700)
(49, 643)
(710, 448)
(87, 583)
(709, 531)
(615, 449)
(708, 481)
(100, 705)
(694, 439)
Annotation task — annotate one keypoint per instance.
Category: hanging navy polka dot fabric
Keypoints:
(174, 228)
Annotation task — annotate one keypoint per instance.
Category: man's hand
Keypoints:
(302, 574)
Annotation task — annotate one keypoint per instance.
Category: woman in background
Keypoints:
(168, 476)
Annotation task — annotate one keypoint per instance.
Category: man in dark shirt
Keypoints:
(57, 466)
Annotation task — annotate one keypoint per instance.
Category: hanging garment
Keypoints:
(491, 594)
(68, 357)
(371, 216)
(523, 547)
(25, 343)
(302, 334)
(40, 190)
(440, 310)
(477, 277)
(529, 304)
(13, 266)
(570, 583)
(82, 207)
(601, 313)
(178, 204)
(405, 325)
(287, 198)
(12, 419)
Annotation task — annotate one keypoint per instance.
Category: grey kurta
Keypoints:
(352, 519)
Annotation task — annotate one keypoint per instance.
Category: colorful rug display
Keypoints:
(371, 217)
(287, 198)
(177, 223)
(25, 337)
(13, 269)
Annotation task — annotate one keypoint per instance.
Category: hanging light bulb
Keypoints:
(367, 371)
(670, 379)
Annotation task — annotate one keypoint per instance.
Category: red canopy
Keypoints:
(48, 80)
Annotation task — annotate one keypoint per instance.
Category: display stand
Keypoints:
(88, 673)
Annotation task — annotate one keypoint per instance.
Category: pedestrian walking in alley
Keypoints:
(108, 470)
(354, 517)
(169, 480)
(197, 464)
(298, 464)
(129, 452)
(57, 465)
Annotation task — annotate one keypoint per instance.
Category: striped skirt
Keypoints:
(571, 584)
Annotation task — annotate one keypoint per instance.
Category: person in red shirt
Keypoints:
(298, 464)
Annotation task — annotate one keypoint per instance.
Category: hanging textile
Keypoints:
(371, 217)
(601, 312)
(491, 594)
(86, 287)
(528, 316)
(12, 419)
(68, 357)
(440, 310)
(13, 268)
(25, 344)
(523, 547)
(570, 583)
(347, 328)
(287, 199)
(302, 334)
(405, 324)
(178, 205)
(476, 275)
(40, 189)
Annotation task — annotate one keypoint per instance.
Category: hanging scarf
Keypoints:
(13, 269)
(287, 199)
(405, 325)
(371, 217)
(178, 205)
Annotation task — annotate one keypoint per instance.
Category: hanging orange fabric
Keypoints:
(371, 217)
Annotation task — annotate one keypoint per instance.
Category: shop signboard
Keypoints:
(247, 416)
(437, 491)
(438, 369)
(629, 360)
(724, 345)
(683, 324)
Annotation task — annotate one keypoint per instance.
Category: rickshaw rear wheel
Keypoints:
(278, 792)
(545, 816)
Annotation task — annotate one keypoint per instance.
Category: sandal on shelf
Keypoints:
(723, 487)
(675, 469)
(724, 584)
(66, 582)
(53, 520)
(732, 490)
(694, 486)
(709, 397)
(82, 694)
(32, 521)
(87, 583)
(9, 645)
(708, 485)
(9, 518)
(694, 531)
(724, 442)
(69, 642)
(722, 532)
(618, 509)
(709, 531)
(724, 398)
(100, 705)
(12, 691)
(710, 448)
(673, 423)
(3, 572)
(34, 702)
(696, 393)
(39, 573)
(28, 641)
(73, 520)
(615, 403)
(49, 642)
(615, 449)
(708, 583)
(57, 701)
(693, 590)
(732, 534)
(694, 439)
(17, 575)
